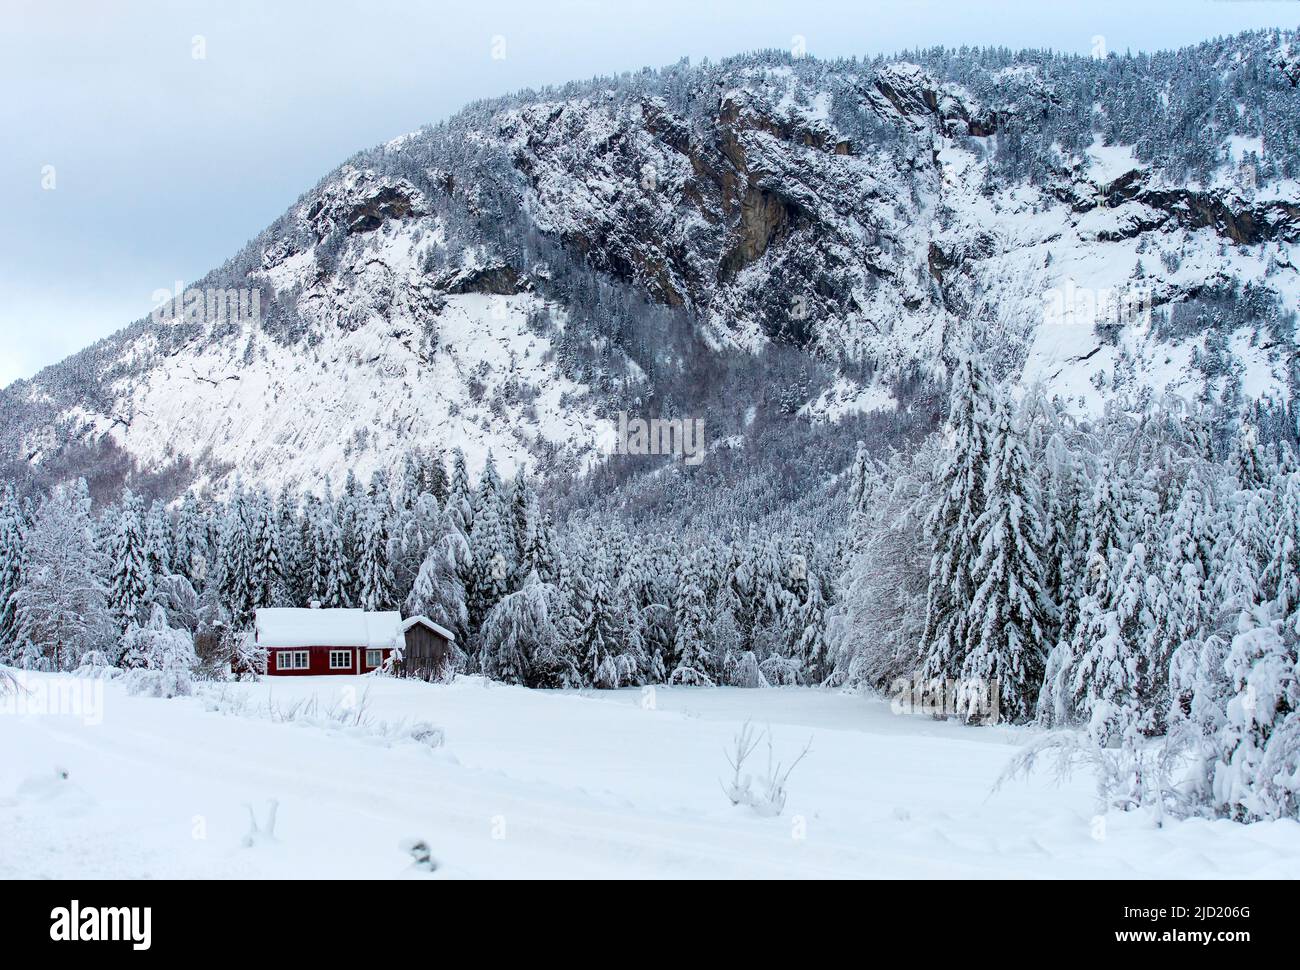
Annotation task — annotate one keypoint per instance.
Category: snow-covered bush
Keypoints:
(248, 658)
(96, 665)
(160, 660)
(1257, 770)
(1162, 775)
(352, 719)
(765, 793)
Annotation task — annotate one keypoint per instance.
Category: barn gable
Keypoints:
(429, 649)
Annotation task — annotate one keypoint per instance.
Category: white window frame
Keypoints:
(292, 660)
(378, 655)
(341, 653)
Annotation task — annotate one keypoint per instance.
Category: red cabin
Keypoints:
(315, 641)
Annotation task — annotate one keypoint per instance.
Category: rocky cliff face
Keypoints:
(869, 214)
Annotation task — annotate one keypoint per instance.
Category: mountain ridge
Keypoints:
(508, 280)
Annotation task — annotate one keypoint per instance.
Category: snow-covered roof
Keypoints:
(280, 627)
(425, 621)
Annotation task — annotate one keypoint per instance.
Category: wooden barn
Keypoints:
(428, 649)
(316, 641)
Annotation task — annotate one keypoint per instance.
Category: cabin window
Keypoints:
(374, 658)
(340, 660)
(291, 660)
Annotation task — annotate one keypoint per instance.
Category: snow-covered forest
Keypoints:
(988, 544)
(1136, 577)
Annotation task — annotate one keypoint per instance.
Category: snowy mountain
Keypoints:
(508, 280)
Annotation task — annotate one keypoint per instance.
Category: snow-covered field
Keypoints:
(538, 784)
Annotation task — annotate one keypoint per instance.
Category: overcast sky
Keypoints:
(163, 163)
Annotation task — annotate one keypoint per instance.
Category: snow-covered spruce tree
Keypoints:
(1244, 549)
(416, 528)
(1181, 604)
(950, 528)
(1065, 494)
(1107, 674)
(332, 573)
(1006, 645)
(1107, 526)
(521, 503)
(433, 476)
(460, 500)
(190, 542)
(539, 551)
(519, 637)
(13, 559)
(348, 511)
(813, 646)
(600, 637)
(289, 532)
(490, 491)
(695, 663)
(61, 608)
(643, 594)
(863, 480)
(1257, 771)
(374, 578)
(737, 666)
(1250, 464)
(492, 547)
(438, 591)
(268, 577)
(1282, 574)
(128, 582)
(158, 540)
(881, 615)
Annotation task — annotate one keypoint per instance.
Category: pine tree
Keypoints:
(1006, 645)
(539, 551)
(128, 587)
(598, 639)
(268, 586)
(289, 534)
(374, 578)
(1108, 672)
(13, 560)
(522, 502)
(691, 646)
(438, 592)
(492, 547)
(460, 501)
(1181, 602)
(1257, 774)
(434, 477)
(158, 541)
(950, 528)
(61, 608)
(237, 557)
(519, 634)
(190, 542)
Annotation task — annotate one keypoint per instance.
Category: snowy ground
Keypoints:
(544, 784)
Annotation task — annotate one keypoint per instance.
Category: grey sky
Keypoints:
(165, 164)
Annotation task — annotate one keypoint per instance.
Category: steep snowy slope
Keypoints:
(1101, 227)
